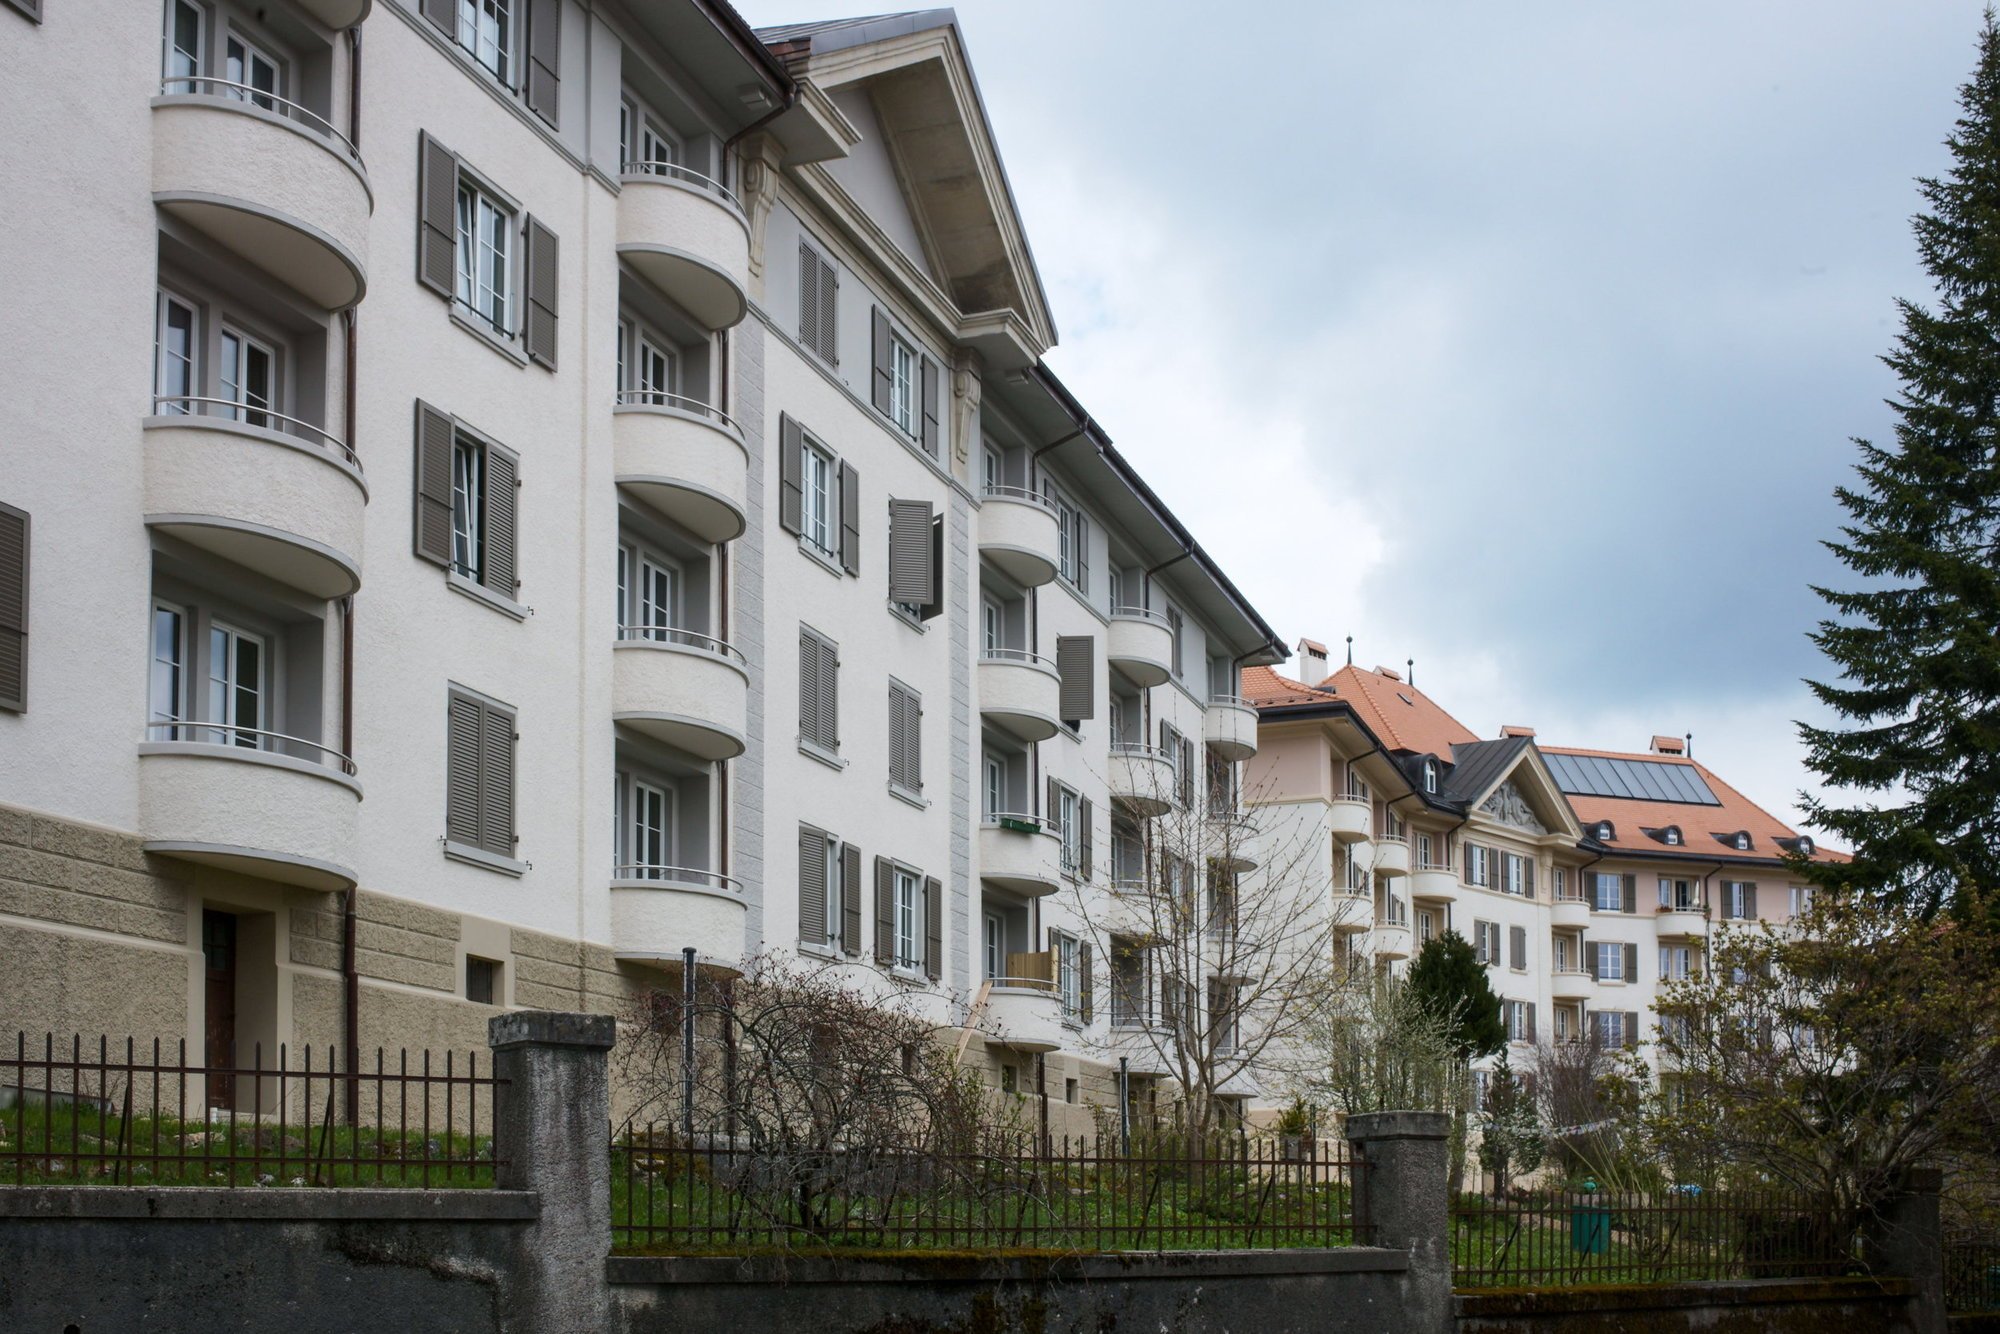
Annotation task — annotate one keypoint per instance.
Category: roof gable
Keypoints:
(1508, 780)
(1403, 717)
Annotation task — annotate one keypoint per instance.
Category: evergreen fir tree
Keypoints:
(1917, 643)
(1450, 984)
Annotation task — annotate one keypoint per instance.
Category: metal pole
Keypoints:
(1125, 1106)
(687, 1043)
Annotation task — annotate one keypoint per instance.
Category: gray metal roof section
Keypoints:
(839, 34)
(1477, 765)
(1639, 780)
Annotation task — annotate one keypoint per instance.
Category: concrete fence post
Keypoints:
(1402, 1204)
(551, 1124)
(1905, 1239)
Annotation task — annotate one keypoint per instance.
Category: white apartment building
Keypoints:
(495, 493)
(1582, 878)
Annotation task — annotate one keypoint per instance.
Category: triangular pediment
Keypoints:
(1523, 795)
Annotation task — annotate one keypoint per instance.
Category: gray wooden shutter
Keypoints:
(1086, 980)
(544, 57)
(850, 899)
(1076, 661)
(496, 781)
(829, 695)
(1528, 877)
(905, 748)
(461, 789)
(502, 500)
(928, 386)
(1589, 956)
(936, 605)
(933, 928)
(911, 578)
(1631, 1028)
(809, 298)
(829, 311)
(433, 479)
(1631, 963)
(437, 211)
(1631, 893)
(791, 479)
(541, 277)
(1083, 816)
(14, 529)
(1050, 810)
(880, 387)
(885, 912)
(1479, 941)
(1531, 1030)
(1750, 899)
(444, 13)
(809, 724)
(1081, 534)
(1518, 943)
(812, 886)
(850, 519)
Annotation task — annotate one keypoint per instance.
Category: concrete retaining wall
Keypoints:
(1762, 1306)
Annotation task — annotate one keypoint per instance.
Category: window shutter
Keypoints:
(936, 605)
(437, 197)
(1086, 980)
(791, 480)
(13, 609)
(1631, 963)
(1053, 807)
(885, 912)
(1750, 899)
(1082, 531)
(1528, 877)
(880, 386)
(502, 500)
(910, 573)
(928, 385)
(1083, 816)
(462, 751)
(850, 519)
(1589, 957)
(1518, 939)
(933, 928)
(905, 750)
(829, 310)
(544, 57)
(829, 695)
(1631, 1028)
(812, 886)
(1631, 893)
(1479, 941)
(1076, 662)
(809, 724)
(809, 298)
(496, 781)
(541, 276)
(443, 13)
(433, 477)
(850, 899)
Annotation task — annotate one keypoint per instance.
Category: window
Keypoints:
(1069, 1091)
(909, 919)
(1426, 926)
(1611, 1028)
(248, 370)
(906, 759)
(649, 594)
(1671, 836)
(996, 787)
(1562, 951)
(1739, 899)
(479, 783)
(819, 692)
(1069, 975)
(1010, 1079)
(182, 48)
(174, 376)
(1516, 873)
(482, 980)
(486, 30)
(252, 71)
(1610, 961)
(1802, 899)
(483, 228)
(648, 832)
(1519, 1017)
(817, 469)
(648, 366)
(1430, 775)
(1066, 812)
(166, 702)
(468, 508)
(1563, 1032)
(466, 503)
(1517, 951)
(1742, 842)
(1486, 942)
(996, 947)
(1561, 876)
(819, 295)
(1679, 895)
(1676, 962)
(1478, 865)
(829, 892)
(236, 685)
(1072, 540)
(644, 144)
(902, 386)
(1607, 892)
(1426, 854)
(1179, 629)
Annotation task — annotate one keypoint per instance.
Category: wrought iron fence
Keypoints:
(1971, 1273)
(1562, 1237)
(675, 1195)
(146, 1115)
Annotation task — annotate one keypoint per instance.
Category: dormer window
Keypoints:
(1743, 842)
(1603, 832)
(1430, 775)
(1805, 846)
(1670, 836)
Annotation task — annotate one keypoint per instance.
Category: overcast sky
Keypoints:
(1523, 340)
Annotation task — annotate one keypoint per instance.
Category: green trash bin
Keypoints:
(1589, 1229)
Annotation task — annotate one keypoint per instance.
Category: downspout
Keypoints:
(354, 86)
(350, 973)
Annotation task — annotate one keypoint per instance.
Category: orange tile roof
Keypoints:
(1698, 823)
(1263, 686)
(1401, 716)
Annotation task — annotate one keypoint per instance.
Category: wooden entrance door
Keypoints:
(218, 952)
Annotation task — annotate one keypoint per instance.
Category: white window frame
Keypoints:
(1598, 880)
(819, 496)
(1514, 874)
(468, 506)
(224, 721)
(171, 73)
(483, 256)
(1431, 776)
(1801, 899)
(995, 791)
(1615, 971)
(1068, 819)
(189, 365)
(1069, 975)
(639, 824)
(177, 665)
(993, 945)
(903, 385)
(836, 884)
(493, 49)
(906, 898)
(1478, 864)
(253, 53)
(246, 411)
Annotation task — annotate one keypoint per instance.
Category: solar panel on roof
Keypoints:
(1643, 780)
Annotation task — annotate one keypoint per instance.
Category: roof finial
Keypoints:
(1350, 650)
(1410, 670)
(1689, 738)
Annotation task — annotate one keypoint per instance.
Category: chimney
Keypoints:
(1312, 662)
(1389, 672)
(1514, 729)
(1668, 745)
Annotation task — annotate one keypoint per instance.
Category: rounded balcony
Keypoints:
(1128, 910)
(686, 235)
(1681, 924)
(1147, 1048)
(1235, 842)
(1142, 779)
(1020, 693)
(658, 911)
(1569, 914)
(1353, 912)
(684, 459)
(267, 179)
(1391, 940)
(338, 14)
(257, 803)
(1392, 858)
(1140, 643)
(1023, 1014)
(1569, 984)
(1230, 728)
(266, 491)
(691, 691)
(1350, 819)
(1018, 852)
(1020, 535)
(1433, 884)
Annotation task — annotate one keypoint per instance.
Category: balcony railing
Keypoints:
(1141, 614)
(1020, 655)
(250, 414)
(227, 735)
(686, 176)
(679, 875)
(666, 634)
(1024, 495)
(193, 85)
(656, 398)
